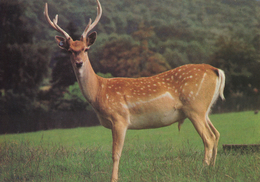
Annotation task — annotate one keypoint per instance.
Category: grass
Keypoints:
(164, 154)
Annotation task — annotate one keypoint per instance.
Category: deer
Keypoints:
(188, 91)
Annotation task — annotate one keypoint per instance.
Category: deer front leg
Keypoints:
(118, 133)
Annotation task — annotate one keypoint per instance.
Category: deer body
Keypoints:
(156, 101)
(188, 91)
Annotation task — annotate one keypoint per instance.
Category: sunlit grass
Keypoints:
(164, 154)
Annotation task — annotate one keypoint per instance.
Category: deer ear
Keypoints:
(91, 38)
(62, 42)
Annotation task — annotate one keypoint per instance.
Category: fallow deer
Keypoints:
(188, 91)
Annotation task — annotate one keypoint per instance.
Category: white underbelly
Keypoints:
(157, 112)
(155, 119)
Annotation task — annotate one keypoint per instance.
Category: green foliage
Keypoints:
(105, 75)
(237, 58)
(124, 57)
(23, 63)
(74, 92)
(72, 100)
(16, 104)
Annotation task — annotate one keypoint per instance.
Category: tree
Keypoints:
(236, 58)
(23, 64)
(125, 58)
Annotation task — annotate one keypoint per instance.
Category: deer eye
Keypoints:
(86, 49)
(61, 43)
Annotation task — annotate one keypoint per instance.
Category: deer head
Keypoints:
(78, 48)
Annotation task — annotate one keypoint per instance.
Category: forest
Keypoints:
(135, 39)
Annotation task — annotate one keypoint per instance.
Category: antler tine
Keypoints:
(54, 24)
(91, 26)
(84, 34)
(55, 21)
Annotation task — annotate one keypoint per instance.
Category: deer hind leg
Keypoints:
(118, 133)
(217, 135)
(209, 138)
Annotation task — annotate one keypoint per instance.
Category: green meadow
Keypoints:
(163, 154)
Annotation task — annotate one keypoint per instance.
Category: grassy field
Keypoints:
(164, 154)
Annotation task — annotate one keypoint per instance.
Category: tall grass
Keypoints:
(149, 162)
(84, 154)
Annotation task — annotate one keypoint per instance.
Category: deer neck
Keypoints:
(88, 81)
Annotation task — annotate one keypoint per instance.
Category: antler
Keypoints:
(54, 24)
(91, 26)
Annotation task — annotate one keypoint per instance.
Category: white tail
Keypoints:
(188, 91)
(222, 83)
